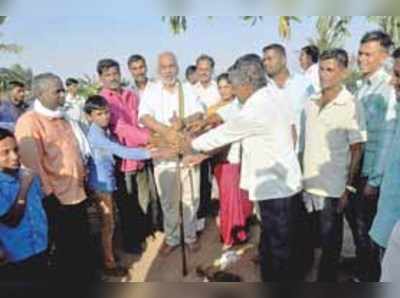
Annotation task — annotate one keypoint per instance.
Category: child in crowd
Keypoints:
(23, 222)
(102, 182)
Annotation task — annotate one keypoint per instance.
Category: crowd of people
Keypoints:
(296, 152)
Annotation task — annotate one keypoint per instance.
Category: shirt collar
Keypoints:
(9, 178)
(376, 77)
(341, 98)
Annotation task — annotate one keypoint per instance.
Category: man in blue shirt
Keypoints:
(14, 106)
(23, 223)
(102, 180)
(378, 98)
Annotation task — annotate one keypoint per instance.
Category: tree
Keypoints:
(389, 24)
(178, 24)
(12, 48)
(15, 73)
(331, 32)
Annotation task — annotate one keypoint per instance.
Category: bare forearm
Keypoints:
(356, 154)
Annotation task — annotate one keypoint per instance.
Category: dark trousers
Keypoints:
(33, 269)
(205, 189)
(135, 223)
(75, 250)
(329, 233)
(284, 253)
(360, 213)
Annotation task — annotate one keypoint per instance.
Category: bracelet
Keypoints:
(351, 189)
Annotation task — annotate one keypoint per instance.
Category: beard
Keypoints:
(169, 81)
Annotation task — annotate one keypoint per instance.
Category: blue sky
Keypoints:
(72, 45)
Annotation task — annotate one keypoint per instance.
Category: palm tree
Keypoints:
(389, 24)
(12, 48)
(331, 32)
(178, 24)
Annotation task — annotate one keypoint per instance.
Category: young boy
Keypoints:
(102, 181)
(23, 222)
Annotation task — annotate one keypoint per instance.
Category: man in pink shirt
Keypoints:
(133, 194)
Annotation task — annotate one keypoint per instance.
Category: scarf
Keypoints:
(76, 129)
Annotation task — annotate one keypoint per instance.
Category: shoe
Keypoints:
(167, 249)
(194, 247)
(200, 224)
(117, 271)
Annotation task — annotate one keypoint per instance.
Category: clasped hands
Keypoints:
(175, 141)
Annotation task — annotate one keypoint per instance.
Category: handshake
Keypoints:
(175, 140)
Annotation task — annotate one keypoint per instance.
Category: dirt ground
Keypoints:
(151, 267)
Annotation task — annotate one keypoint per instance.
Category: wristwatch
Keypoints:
(351, 189)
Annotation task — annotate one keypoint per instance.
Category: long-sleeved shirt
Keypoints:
(29, 238)
(379, 101)
(270, 169)
(124, 123)
(49, 147)
(101, 166)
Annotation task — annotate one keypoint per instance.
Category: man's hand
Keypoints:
(343, 201)
(163, 153)
(370, 192)
(176, 122)
(194, 159)
(196, 126)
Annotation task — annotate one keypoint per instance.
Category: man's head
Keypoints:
(109, 74)
(9, 158)
(72, 86)
(374, 50)
(309, 55)
(16, 92)
(333, 68)
(247, 76)
(138, 68)
(396, 72)
(205, 68)
(49, 90)
(225, 86)
(97, 110)
(274, 59)
(168, 68)
(191, 74)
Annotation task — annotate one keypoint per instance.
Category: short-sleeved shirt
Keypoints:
(29, 238)
(161, 104)
(328, 135)
(209, 95)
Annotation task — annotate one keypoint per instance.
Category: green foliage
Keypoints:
(88, 86)
(11, 48)
(331, 32)
(389, 24)
(15, 73)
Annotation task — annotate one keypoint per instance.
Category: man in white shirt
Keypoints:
(335, 131)
(73, 106)
(294, 89)
(207, 90)
(308, 59)
(270, 169)
(138, 68)
(159, 110)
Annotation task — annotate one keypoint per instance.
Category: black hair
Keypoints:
(95, 103)
(340, 55)
(71, 81)
(105, 64)
(206, 57)
(223, 77)
(276, 47)
(190, 70)
(4, 133)
(12, 84)
(312, 51)
(136, 58)
(383, 38)
(396, 53)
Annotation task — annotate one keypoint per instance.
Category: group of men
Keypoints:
(311, 153)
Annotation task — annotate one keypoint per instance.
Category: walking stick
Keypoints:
(181, 221)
